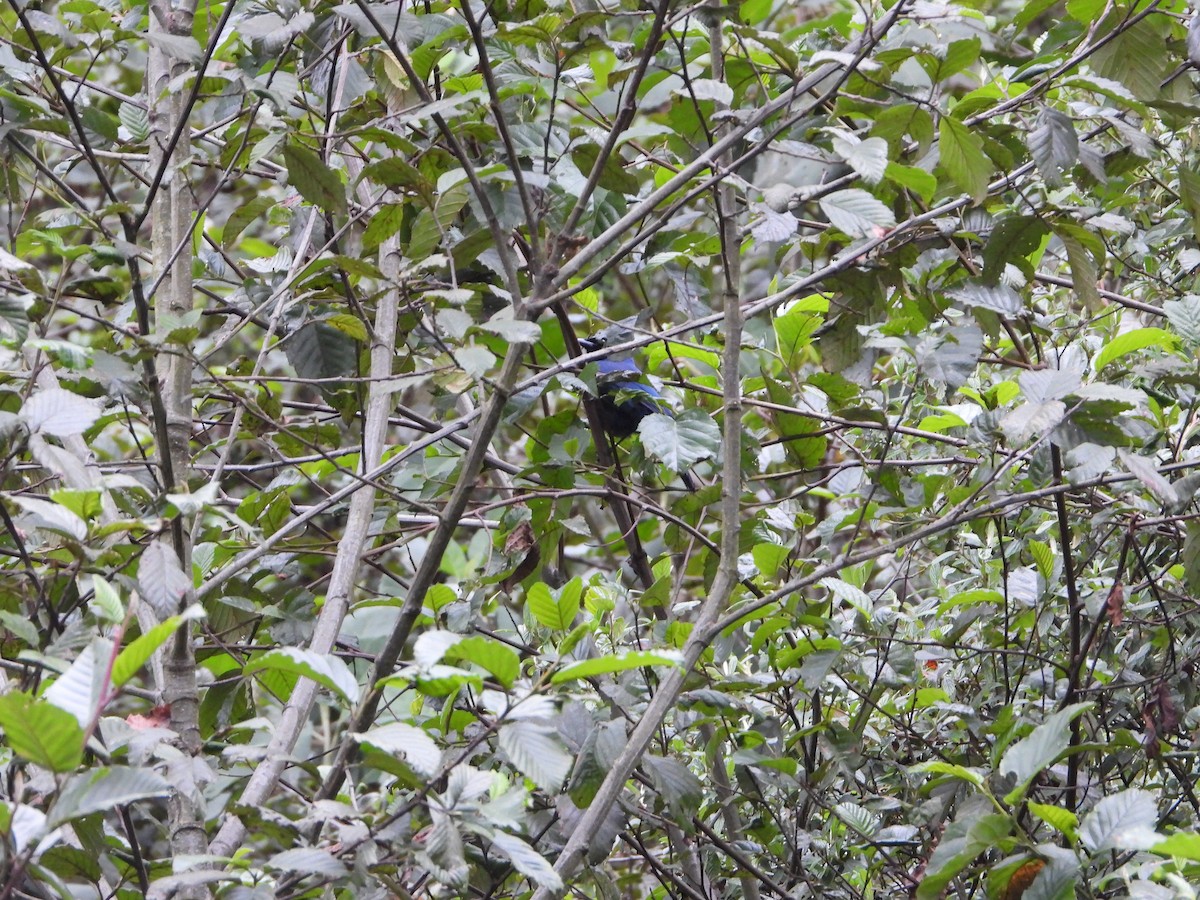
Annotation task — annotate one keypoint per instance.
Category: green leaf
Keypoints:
(351, 326)
(675, 782)
(973, 597)
(398, 174)
(412, 744)
(240, 218)
(1181, 845)
(920, 182)
(1014, 239)
(794, 329)
(602, 665)
(534, 748)
(613, 177)
(1184, 316)
(1027, 12)
(22, 628)
(432, 224)
(12, 313)
(41, 732)
(130, 660)
(1084, 273)
(491, 655)
(961, 843)
(316, 182)
(1054, 145)
(937, 767)
(680, 442)
(318, 350)
(385, 223)
(106, 601)
(961, 155)
(85, 504)
(136, 120)
(1132, 341)
(769, 558)
(1122, 821)
(68, 863)
(1138, 57)
(802, 443)
(1189, 193)
(101, 124)
(1041, 749)
(555, 610)
(861, 820)
(105, 789)
(1044, 557)
(527, 861)
(309, 861)
(1056, 817)
(959, 55)
(325, 669)
(1083, 11)
(905, 119)
(439, 596)
(857, 214)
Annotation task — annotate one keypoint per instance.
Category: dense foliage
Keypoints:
(319, 575)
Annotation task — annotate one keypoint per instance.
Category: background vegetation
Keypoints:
(318, 576)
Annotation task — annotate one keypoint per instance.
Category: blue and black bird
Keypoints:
(626, 398)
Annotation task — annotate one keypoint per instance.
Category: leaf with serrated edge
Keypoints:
(59, 413)
(680, 442)
(1054, 145)
(1145, 471)
(962, 156)
(309, 861)
(601, 665)
(1042, 747)
(869, 158)
(139, 650)
(536, 752)
(325, 669)
(419, 750)
(1184, 316)
(857, 213)
(77, 690)
(41, 732)
(161, 579)
(527, 861)
(316, 182)
(105, 789)
(1121, 821)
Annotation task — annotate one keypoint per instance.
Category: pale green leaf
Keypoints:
(961, 154)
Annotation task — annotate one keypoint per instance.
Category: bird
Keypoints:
(625, 399)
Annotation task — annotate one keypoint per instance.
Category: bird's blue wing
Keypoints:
(635, 398)
(633, 387)
(611, 368)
